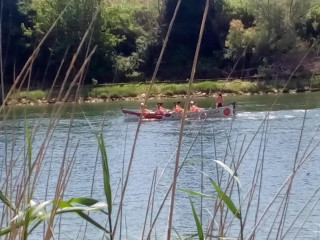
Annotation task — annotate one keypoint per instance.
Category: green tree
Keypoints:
(121, 32)
(13, 46)
(273, 34)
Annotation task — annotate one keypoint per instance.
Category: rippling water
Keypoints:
(240, 137)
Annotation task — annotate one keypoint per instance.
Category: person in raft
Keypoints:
(143, 109)
(194, 107)
(177, 108)
(219, 100)
(161, 109)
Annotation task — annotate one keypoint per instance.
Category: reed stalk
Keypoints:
(1, 59)
(140, 120)
(26, 67)
(29, 173)
(58, 73)
(193, 71)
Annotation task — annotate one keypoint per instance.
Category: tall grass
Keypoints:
(30, 95)
(20, 213)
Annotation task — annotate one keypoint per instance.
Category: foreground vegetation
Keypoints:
(30, 159)
(235, 208)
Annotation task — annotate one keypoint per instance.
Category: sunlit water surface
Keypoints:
(241, 137)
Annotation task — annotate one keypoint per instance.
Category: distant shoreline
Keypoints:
(137, 91)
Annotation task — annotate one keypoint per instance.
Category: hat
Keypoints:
(192, 102)
(142, 104)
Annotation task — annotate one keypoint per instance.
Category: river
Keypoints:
(224, 139)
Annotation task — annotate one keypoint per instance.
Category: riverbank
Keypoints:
(137, 91)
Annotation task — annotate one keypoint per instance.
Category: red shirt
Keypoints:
(178, 109)
(195, 109)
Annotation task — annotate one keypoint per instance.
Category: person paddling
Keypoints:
(194, 107)
(161, 109)
(143, 109)
(177, 108)
(219, 100)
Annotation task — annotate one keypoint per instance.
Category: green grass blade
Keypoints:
(7, 230)
(178, 235)
(90, 202)
(6, 201)
(67, 207)
(232, 173)
(105, 170)
(28, 138)
(33, 217)
(84, 201)
(229, 203)
(196, 193)
(35, 225)
(40, 207)
(93, 222)
(29, 154)
(196, 219)
(76, 210)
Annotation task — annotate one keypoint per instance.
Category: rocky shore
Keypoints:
(141, 97)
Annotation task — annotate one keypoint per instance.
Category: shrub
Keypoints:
(30, 95)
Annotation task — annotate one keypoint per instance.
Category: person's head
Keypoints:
(220, 95)
(192, 103)
(178, 103)
(141, 105)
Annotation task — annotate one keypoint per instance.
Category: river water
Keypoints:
(243, 136)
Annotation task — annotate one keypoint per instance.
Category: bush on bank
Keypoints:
(170, 89)
(236, 86)
(29, 95)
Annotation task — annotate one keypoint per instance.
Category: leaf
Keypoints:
(7, 230)
(199, 227)
(28, 137)
(90, 202)
(105, 170)
(93, 222)
(6, 201)
(84, 201)
(38, 216)
(178, 235)
(40, 207)
(196, 193)
(67, 207)
(226, 200)
(232, 173)
(34, 225)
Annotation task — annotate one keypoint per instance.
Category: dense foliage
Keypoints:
(258, 37)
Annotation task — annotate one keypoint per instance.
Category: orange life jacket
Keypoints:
(159, 110)
(219, 99)
(177, 109)
(194, 109)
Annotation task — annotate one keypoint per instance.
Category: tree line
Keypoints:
(266, 38)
